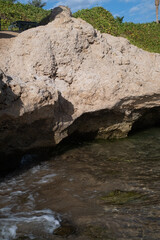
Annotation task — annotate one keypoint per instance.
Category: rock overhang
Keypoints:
(66, 77)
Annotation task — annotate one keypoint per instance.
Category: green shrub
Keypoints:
(100, 19)
(145, 35)
(10, 12)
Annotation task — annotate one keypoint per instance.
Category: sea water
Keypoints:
(106, 189)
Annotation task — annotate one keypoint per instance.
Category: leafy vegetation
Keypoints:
(37, 3)
(145, 36)
(12, 1)
(100, 19)
(10, 12)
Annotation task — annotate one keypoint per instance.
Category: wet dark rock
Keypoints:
(65, 229)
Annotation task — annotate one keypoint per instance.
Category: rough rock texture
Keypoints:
(66, 78)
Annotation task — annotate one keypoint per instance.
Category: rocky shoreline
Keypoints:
(66, 79)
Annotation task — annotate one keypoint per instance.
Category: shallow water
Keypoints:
(105, 189)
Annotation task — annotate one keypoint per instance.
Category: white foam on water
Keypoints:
(16, 193)
(35, 169)
(47, 178)
(13, 221)
(8, 232)
(6, 211)
(43, 220)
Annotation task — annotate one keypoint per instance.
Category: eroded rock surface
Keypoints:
(66, 77)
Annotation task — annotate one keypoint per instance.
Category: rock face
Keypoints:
(66, 78)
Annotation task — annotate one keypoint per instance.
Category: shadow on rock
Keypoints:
(6, 35)
(30, 134)
(54, 13)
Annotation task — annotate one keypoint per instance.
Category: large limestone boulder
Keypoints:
(66, 78)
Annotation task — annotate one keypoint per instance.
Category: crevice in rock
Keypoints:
(18, 161)
(105, 124)
(149, 118)
(8, 163)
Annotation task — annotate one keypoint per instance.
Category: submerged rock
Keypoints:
(65, 229)
(66, 78)
(119, 197)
